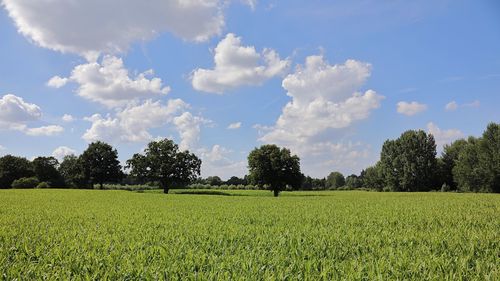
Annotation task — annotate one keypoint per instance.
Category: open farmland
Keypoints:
(88, 234)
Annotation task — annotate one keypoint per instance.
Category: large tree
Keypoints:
(409, 162)
(13, 168)
(275, 167)
(45, 169)
(448, 160)
(165, 163)
(71, 170)
(335, 180)
(100, 164)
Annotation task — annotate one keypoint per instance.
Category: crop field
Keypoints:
(248, 235)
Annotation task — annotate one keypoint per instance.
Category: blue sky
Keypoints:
(331, 80)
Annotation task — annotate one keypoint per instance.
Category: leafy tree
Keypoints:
(71, 170)
(353, 181)
(448, 160)
(478, 165)
(13, 168)
(100, 164)
(140, 171)
(214, 181)
(373, 178)
(45, 169)
(30, 182)
(409, 162)
(269, 165)
(163, 162)
(335, 180)
(236, 181)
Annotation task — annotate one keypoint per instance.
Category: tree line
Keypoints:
(408, 163)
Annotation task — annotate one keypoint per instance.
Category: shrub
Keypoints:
(43, 184)
(30, 182)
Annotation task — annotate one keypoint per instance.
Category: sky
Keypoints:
(330, 80)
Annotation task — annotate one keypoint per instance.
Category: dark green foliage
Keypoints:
(274, 167)
(43, 184)
(447, 162)
(30, 182)
(163, 162)
(477, 168)
(373, 177)
(13, 168)
(214, 180)
(335, 180)
(100, 164)
(353, 182)
(409, 162)
(45, 169)
(72, 172)
(236, 181)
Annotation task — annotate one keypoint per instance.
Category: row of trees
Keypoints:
(408, 163)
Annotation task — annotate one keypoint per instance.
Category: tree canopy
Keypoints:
(100, 163)
(275, 167)
(163, 162)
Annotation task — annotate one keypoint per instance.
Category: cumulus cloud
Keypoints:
(234, 126)
(217, 161)
(110, 84)
(189, 128)
(51, 130)
(68, 118)
(57, 82)
(15, 114)
(443, 137)
(62, 151)
(91, 27)
(451, 106)
(237, 65)
(410, 108)
(325, 98)
(133, 123)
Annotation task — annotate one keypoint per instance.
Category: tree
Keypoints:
(353, 182)
(214, 181)
(478, 165)
(335, 180)
(71, 171)
(448, 161)
(13, 168)
(236, 181)
(163, 162)
(373, 178)
(409, 162)
(45, 169)
(269, 165)
(100, 164)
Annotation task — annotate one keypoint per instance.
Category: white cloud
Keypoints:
(443, 137)
(451, 106)
(234, 126)
(62, 151)
(57, 82)
(68, 118)
(15, 114)
(109, 83)
(91, 27)
(324, 98)
(410, 108)
(2, 147)
(134, 122)
(216, 161)
(51, 130)
(189, 129)
(237, 65)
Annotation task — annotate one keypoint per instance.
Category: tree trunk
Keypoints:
(164, 185)
(276, 192)
(100, 185)
(165, 190)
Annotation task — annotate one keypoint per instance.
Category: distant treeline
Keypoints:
(408, 163)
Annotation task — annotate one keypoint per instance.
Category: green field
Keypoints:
(249, 235)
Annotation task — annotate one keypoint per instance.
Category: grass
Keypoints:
(111, 234)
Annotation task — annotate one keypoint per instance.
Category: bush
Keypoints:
(43, 184)
(31, 182)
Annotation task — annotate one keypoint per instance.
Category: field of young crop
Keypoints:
(250, 235)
